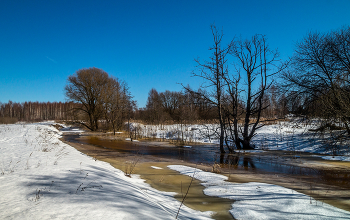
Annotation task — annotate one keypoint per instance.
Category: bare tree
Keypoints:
(319, 77)
(88, 87)
(213, 72)
(254, 63)
(239, 95)
(155, 111)
(116, 103)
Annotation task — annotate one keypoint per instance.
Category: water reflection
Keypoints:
(236, 161)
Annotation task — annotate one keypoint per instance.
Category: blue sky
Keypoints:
(148, 44)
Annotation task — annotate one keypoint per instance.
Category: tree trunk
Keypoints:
(222, 132)
(246, 145)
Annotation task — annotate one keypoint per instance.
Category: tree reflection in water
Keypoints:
(235, 161)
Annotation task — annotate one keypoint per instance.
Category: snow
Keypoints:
(69, 129)
(43, 178)
(262, 201)
(157, 168)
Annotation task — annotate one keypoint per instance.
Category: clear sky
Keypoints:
(147, 43)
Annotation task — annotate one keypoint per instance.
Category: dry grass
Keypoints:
(216, 168)
(129, 166)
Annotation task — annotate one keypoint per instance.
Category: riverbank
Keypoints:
(331, 187)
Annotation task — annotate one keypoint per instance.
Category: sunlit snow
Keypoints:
(43, 178)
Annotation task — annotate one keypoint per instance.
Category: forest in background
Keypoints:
(161, 108)
(12, 112)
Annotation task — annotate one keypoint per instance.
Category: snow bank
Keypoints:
(43, 178)
(263, 201)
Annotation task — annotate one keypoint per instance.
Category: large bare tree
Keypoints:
(213, 72)
(239, 95)
(319, 77)
(98, 94)
(254, 65)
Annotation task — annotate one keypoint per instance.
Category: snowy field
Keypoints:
(287, 136)
(43, 178)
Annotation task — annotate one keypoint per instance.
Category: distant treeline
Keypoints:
(168, 106)
(12, 112)
(187, 107)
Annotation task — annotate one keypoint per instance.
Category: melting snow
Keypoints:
(263, 201)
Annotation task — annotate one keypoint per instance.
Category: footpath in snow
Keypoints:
(43, 178)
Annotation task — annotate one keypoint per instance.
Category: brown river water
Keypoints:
(325, 181)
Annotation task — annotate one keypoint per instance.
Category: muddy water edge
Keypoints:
(325, 185)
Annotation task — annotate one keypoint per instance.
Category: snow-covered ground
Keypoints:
(287, 136)
(263, 201)
(43, 178)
